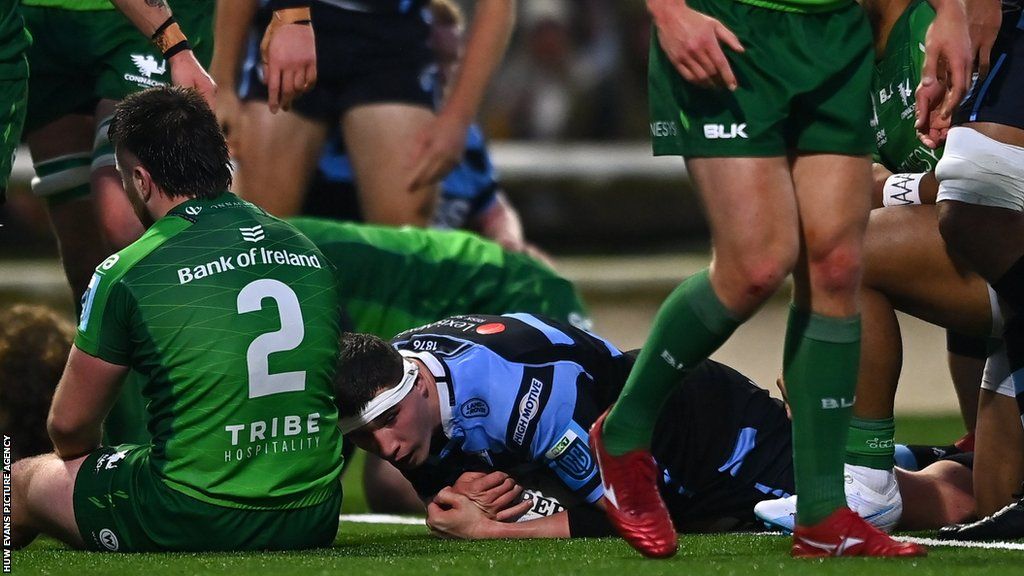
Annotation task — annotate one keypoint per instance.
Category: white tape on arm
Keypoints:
(902, 190)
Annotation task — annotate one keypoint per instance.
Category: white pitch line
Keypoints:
(383, 519)
(963, 543)
(937, 542)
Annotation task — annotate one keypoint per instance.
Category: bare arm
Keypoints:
(148, 16)
(86, 392)
(439, 147)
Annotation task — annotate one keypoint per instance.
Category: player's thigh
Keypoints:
(45, 490)
(118, 220)
(381, 141)
(752, 213)
(276, 156)
(905, 258)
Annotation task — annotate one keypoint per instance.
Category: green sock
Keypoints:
(691, 324)
(870, 443)
(820, 370)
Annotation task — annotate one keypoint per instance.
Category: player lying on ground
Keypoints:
(517, 393)
(231, 317)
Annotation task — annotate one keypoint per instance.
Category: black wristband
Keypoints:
(167, 24)
(588, 521)
(179, 47)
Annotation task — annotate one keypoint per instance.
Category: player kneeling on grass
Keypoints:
(231, 316)
(518, 393)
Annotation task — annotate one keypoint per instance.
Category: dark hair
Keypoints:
(34, 346)
(366, 365)
(175, 135)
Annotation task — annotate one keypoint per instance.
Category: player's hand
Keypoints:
(289, 62)
(983, 18)
(945, 74)
(692, 41)
(932, 123)
(453, 515)
(438, 148)
(188, 72)
(494, 493)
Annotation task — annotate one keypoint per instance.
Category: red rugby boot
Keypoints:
(844, 533)
(632, 502)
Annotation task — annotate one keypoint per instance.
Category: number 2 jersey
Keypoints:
(519, 393)
(232, 318)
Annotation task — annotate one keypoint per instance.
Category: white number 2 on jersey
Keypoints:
(250, 299)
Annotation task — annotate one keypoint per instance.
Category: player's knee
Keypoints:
(761, 277)
(837, 270)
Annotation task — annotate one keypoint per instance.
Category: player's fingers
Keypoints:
(446, 498)
(488, 481)
(724, 69)
(508, 498)
(730, 39)
(287, 89)
(686, 70)
(984, 60)
(923, 103)
(706, 67)
(514, 512)
(310, 76)
(273, 77)
(958, 85)
(299, 81)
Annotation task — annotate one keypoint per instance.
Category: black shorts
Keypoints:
(362, 58)
(723, 444)
(997, 97)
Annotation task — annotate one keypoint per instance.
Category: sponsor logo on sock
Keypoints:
(836, 403)
(671, 360)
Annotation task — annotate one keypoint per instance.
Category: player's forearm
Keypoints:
(488, 39)
(84, 396)
(231, 26)
(146, 15)
(554, 526)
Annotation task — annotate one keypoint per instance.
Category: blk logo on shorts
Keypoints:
(723, 132)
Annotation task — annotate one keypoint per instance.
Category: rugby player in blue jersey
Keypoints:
(451, 402)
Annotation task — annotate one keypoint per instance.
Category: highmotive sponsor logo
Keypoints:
(528, 409)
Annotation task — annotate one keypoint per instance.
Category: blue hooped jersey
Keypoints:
(518, 393)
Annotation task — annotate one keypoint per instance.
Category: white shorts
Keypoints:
(976, 169)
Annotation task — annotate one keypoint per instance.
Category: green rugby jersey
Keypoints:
(800, 6)
(78, 5)
(232, 318)
(897, 74)
(393, 279)
(14, 39)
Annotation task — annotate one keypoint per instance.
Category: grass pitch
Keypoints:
(384, 549)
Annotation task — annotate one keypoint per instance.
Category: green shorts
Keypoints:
(80, 57)
(804, 86)
(122, 506)
(13, 98)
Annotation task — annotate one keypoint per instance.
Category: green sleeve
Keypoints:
(104, 329)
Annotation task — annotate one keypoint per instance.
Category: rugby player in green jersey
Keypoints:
(775, 131)
(232, 317)
(86, 55)
(14, 40)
